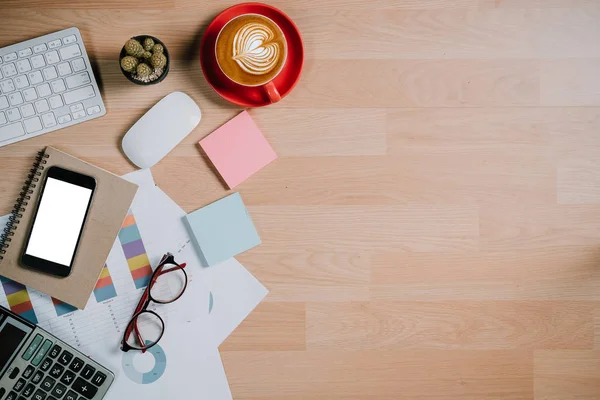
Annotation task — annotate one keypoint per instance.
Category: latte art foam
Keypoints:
(255, 50)
(251, 50)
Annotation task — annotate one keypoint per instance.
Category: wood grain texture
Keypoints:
(430, 228)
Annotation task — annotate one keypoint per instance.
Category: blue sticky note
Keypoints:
(223, 229)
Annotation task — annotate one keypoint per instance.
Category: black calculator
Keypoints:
(35, 365)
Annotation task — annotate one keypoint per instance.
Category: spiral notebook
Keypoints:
(111, 201)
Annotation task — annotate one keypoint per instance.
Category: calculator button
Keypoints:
(84, 388)
(11, 396)
(76, 365)
(33, 347)
(65, 358)
(14, 373)
(55, 351)
(71, 395)
(28, 372)
(19, 385)
(39, 395)
(37, 377)
(59, 390)
(51, 398)
(46, 365)
(42, 353)
(28, 390)
(88, 371)
(68, 377)
(48, 384)
(99, 379)
(2, 392)
(56, 371)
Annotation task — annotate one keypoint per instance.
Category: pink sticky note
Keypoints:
(238, 149)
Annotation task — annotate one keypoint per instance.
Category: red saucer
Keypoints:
(252, 96)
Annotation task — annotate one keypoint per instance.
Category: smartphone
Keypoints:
(59, 218)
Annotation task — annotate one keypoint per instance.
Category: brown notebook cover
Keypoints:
(110, 203)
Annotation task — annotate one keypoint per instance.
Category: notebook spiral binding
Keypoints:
(17, 213)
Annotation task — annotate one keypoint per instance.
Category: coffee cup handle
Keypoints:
(272, 92)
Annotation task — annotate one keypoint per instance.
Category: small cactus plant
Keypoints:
(143, 59)
(129, 63)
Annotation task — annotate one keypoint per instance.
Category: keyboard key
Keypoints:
(38, 61)
(49, 121)
(15, 98)
(29, 389)
(63, 119)
(3, 120)
(28, 372)
(7, 86)
(76, 107)
(27, 111)
(59, 390)
(78, 114)
(54, 44)
(50, 73)
(52, 57)
(21, 82)
(93, 110)
(13, 114)
(58, 86)
(99, 379)
(29, 94)
(0, 60)
(55, 102)
(56, 370)
(10, 57)
(19, 385)
(40, 48)
(88, 371)
(37, 377)
(41, 106)
(55, 351)
(3, 102)
(78, 64)
(84, 388)
(86, 92)
(47, 362)
(66, 53)
(11, 396)
(9, 70)
(23, 66)
(65, 358)
(78, 80)
(69, 39)
(76, 365)
(68, 377)
(71, 395)
(48, 384)
(31, 126)
(64, 69)
(35, 77)
(44, 90)
(11, 131)
(25, 52)
(39, 395)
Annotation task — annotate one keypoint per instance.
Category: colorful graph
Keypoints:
(135, 252)
(18, 299)
(105, 288)
(62, 308)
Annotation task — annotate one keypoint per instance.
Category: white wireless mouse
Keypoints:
(161, 129)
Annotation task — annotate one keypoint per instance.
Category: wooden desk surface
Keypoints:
(431, 229)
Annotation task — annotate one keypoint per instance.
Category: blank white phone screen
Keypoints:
(58, 222)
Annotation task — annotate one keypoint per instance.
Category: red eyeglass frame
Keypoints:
(142, 307)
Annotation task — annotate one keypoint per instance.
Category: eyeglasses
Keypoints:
(167, 284)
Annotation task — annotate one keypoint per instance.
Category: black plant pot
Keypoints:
(140, 39)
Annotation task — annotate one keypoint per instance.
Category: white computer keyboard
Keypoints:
(46, 84)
